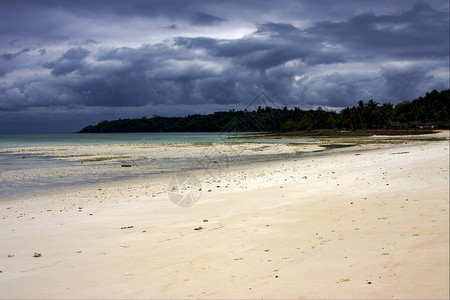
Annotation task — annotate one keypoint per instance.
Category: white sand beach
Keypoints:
(367, 221)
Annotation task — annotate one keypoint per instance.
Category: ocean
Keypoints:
(25, 171)
(27, 140)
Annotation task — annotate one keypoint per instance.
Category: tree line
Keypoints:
(431, 111)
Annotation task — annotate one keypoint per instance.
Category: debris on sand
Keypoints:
(36, 254)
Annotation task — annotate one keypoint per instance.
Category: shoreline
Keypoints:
(49, 169)
(308, 225)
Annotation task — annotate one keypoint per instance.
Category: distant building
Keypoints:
(397, 125)
(422, 125)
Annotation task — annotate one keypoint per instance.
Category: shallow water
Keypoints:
(25, 140)
(19, 140)
(29, 172)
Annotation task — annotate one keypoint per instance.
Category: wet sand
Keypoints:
(368, 221)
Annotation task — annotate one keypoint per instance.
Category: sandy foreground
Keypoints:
(368, 221)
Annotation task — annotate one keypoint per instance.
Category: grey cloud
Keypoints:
(172, 26)
(338, 90)
(139, 57)
(201, 18)
(420, 32)
(54, 20)
(13, 42)
(277, 28)
(64, 68)
(10, 56)
(278, 44)
(84, 42)
(405, 82)
(392, 53)
(7, 60)
(161, 74)
(74, 54)
(70, 61)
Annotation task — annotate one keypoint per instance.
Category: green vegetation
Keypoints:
(431, 111)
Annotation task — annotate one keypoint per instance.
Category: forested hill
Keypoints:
(433, 110)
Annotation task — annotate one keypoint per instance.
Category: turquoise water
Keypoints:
(20, 140)
(28, 163)
(24, 140)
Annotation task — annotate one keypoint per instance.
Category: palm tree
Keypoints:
(360, 114)
(418, 109)
(346, 118)
(387, 113)
(371, 112)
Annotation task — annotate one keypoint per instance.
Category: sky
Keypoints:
(67, 64)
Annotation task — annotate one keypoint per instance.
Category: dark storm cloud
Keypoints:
(277, 29)
(10, 56)
(420, 32)
(53, 19)
(201, 18)
(173, 26)
(74, 54)
(403, 80)
(105, 58)
(271, 45)
(70, 61)
(6, 64)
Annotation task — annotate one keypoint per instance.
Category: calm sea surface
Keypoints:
(20, 140)
(24, 140)
(30, 166)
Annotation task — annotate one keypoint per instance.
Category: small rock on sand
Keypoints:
(36, 254)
